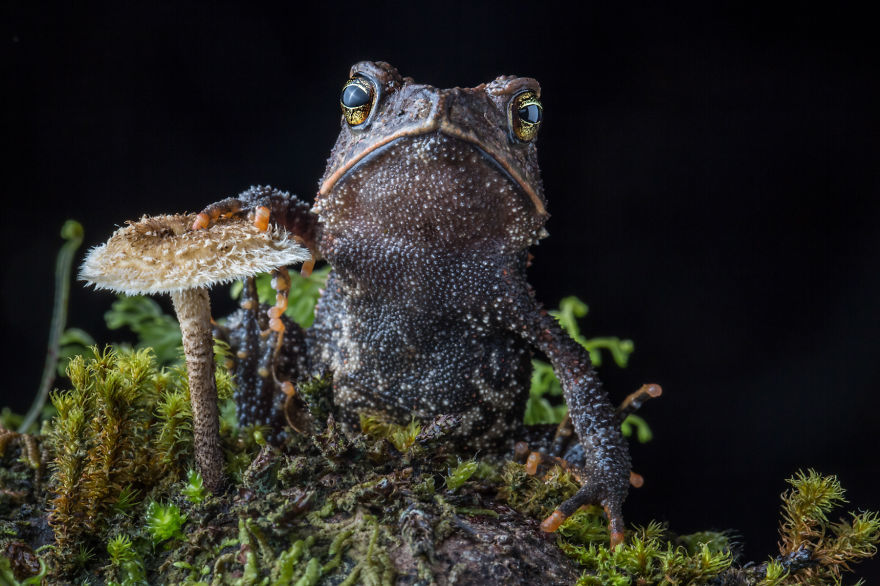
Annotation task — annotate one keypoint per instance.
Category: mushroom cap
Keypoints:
(163, 254)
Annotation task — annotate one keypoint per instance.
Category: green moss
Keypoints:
(173, 441)
(194, 490)
(835, 546)
(298, 517)
(121, 431)
(288, 560)
(461, 474)
(775, 574)
(164, 521)
(317, 393)
(126, 565)
(649, 561)
(127, 500)
(402, 437)
(651, 556)
(587, 526)
(339, 528)
(533, 495)
(716, 541)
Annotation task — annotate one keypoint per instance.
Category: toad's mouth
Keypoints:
(504, 167)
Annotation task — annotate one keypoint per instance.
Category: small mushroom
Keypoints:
(162, 254)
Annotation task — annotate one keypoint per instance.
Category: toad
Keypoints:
(426, 211)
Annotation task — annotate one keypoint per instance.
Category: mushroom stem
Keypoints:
(193, 309)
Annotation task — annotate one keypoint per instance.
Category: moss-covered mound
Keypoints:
(105, 495)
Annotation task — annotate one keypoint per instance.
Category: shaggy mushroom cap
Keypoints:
(162, 254)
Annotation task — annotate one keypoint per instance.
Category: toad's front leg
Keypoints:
(266, 204)
(259, 333)
(606, 466)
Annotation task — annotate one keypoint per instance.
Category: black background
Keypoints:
(711, 171)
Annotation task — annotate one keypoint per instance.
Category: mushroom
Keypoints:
(162, 254)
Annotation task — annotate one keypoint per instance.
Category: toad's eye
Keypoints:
(525, 115)
(357, 98)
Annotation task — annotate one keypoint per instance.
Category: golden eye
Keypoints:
(357, 100)
(525, 115)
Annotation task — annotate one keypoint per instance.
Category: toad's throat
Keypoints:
(503, 167)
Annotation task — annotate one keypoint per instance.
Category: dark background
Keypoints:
(711, 171)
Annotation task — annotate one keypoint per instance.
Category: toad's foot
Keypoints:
(595, 489)
(590, 494)
(260, 203)
(606, 494)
